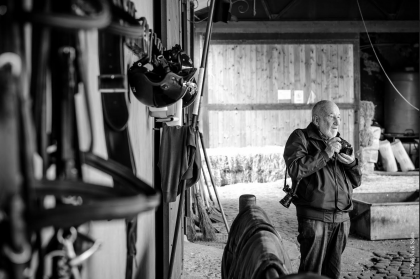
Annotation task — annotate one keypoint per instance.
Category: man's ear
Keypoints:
(315, 120)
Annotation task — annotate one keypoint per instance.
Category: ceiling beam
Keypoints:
(386, 26)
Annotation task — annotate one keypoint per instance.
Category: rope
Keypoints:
(380, 61)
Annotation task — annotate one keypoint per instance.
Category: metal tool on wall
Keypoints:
(212, 181)
(222, 12)
(201, 74)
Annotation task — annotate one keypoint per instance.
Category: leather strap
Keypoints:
(115, 108)
(67, 21)
(133, 28)
(108, 17)
(99, 202)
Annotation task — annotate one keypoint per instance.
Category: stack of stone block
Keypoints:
(391, 265)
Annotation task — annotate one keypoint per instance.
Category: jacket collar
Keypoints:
(314, 133)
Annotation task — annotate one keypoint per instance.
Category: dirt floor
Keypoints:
(202, 259)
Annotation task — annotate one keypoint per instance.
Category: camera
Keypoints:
(346, 147)
(287, 200)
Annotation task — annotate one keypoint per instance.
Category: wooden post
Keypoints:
(245, 200)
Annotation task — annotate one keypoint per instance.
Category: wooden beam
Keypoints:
(278, 106)
(385, 26)
(289, 38)
(357, 93)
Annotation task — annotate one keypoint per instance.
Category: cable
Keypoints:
(380, 61)
(198, 21)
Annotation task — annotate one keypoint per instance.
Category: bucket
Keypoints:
(401, 155)
(388, 159)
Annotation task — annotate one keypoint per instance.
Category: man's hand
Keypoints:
(345, 159)
(333, 146)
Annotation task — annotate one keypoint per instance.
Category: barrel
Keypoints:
(398, 115)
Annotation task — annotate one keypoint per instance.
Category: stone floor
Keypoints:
(360, 258)
(400, 265)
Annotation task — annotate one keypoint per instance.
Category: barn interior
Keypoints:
(83, 174)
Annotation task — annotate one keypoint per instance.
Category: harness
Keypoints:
(57, 195)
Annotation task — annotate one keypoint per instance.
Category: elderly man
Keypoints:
(326, 179)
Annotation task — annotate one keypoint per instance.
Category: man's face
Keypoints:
(329, 120)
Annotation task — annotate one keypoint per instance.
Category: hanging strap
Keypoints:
(98, 202)
(132, 28)
(285, 177)
(100, 19)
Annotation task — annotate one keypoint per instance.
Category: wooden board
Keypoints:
(110, 260)
(265, 127)
(243, 80)
(254, 73)
(171, 34)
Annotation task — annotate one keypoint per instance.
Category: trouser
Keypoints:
(321, 246)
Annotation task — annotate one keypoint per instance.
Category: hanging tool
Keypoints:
(212, 182)
(201, 74)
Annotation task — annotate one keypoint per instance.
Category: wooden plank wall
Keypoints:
(247, 74)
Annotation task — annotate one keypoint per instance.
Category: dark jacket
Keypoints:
(325, 185)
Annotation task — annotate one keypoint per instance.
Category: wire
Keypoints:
(198, 21)
(201, 20)
(384, 45)
(380, 61)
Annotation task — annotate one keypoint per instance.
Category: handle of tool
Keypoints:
(202, 70)
(201, 73)
(212, 182)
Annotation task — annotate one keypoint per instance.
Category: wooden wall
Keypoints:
(171, 30)
(243, 80)
(110, 261)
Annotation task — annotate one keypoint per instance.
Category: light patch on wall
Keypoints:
(284, 94)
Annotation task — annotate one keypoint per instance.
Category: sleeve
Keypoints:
(354, 173)
(300, 163)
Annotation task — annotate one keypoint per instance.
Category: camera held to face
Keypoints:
(346, 147)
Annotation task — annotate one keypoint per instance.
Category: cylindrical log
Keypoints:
(245, 200)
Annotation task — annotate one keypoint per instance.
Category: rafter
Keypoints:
(289, 6)
(382, 10)
(266, 9)
(398, 9)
